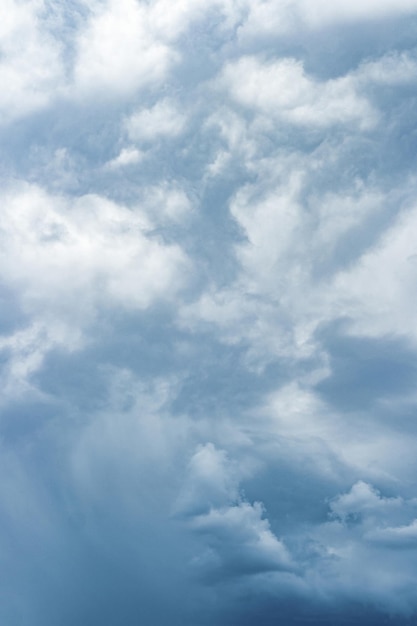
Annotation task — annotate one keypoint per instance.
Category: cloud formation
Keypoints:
(207, 336)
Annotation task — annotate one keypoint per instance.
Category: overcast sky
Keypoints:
(208, 300)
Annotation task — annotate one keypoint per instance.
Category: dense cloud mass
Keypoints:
(208, 271)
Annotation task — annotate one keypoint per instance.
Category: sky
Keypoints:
(208, 340)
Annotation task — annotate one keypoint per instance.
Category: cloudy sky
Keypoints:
(208, 290)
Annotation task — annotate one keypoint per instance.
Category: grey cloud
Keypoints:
(365, 371)
(242, 541)
(396, 537)
(207, 324)
(238, 535)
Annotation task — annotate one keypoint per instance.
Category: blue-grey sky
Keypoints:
(208, 340)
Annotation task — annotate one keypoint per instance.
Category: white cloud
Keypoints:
(391, 69)
(31, 69)
(364, 499)
(281, 88)
(285, 17)
(239, 141)
(165, 203)
(362, 551)
(295, 423)
(212, 481)
(118, 51)
(395, 536)
(162, 120)
(65, 257)
(26, 350)
(378, 293)
(236, 530)
(308, 255)
(243, 541)
(170, 19)
(128, 45)
(321, 12)
(127, 156)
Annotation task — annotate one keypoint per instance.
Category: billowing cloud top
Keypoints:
(208, 270)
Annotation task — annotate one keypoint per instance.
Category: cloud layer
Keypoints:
(207, 334)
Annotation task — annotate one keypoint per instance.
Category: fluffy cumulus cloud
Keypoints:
(281, 88)
(31, 59)
(207, 312)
